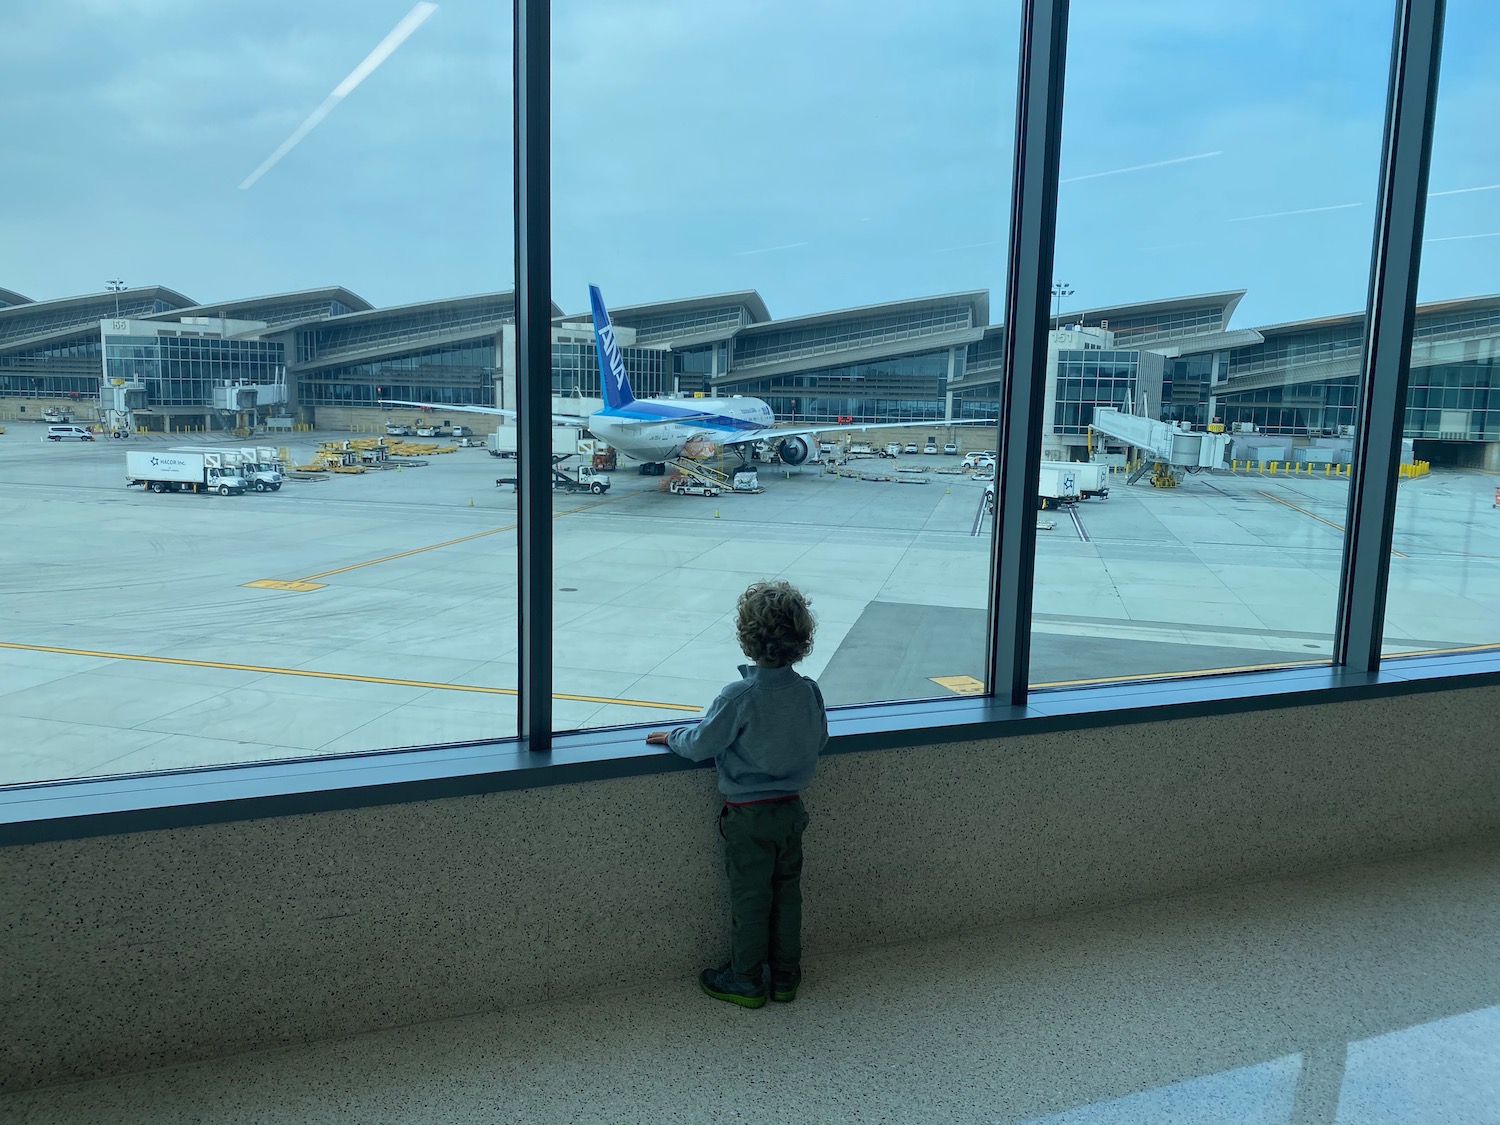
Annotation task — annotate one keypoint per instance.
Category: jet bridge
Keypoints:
(1170, 448)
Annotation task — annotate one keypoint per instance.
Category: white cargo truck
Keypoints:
(175, 471)
(261, 473)
(1092, 479)
(1057, 485)
(259, 477)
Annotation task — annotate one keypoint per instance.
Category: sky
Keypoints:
(827, 153)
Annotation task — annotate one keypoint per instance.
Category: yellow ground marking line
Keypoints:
(960, 685)
(968, 685)
(1440, 651)
(307, 583)
(1336, 526)
(269, 670)
(1146, 677)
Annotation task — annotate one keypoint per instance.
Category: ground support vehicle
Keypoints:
(582, 479)
(1093, 479)
(679, 486)
(259, 475)
(1057, 486)
(176, 471)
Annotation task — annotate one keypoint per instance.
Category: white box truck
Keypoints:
(258, 477)
(1057, 485)
(260, 472)
(1092, 479)
(174, 471)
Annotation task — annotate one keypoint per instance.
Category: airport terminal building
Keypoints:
(151, 358)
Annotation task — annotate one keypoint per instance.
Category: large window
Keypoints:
(1194, 480)
(861, 202)
(828, 258)
(1444, 588)
(178, 250)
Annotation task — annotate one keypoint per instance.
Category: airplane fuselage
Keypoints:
(643, 429)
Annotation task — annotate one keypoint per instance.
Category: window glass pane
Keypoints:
(828, 248)
(232, 239)
(1213, 258)
(1444, 589)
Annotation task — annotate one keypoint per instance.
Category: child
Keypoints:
(765, 733)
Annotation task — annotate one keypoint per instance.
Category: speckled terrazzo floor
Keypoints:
(1369, 994)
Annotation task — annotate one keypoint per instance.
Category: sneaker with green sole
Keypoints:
(724, 983)
(784, 984)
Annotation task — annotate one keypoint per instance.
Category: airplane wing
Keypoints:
(775, 433)
(557, 419)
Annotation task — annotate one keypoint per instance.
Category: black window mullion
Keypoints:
(1028, 296)
(1390, 313)
(533, 239)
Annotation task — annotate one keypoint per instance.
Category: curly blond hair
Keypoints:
(775, 627)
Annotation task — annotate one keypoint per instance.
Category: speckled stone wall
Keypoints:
(127, 952)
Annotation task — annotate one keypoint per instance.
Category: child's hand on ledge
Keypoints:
(657, 738)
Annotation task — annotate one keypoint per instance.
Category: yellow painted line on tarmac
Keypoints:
(960, 685)
(307, 673)
(413, 551)
(308, 583)
(1441, 651)
(1146, 677)
(1336, 526)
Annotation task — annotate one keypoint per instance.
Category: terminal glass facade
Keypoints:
(463, 374)
(365, 330)
(777, 345)
(66, 370)
(183, 370)
(1086, 379)
(652, 328)
(575, 369)
(890, 390)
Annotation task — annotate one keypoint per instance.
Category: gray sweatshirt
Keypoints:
(764, 733)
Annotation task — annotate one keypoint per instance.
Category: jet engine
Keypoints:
(793, 450)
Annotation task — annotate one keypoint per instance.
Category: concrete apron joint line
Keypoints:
(274, 671)
(303, 585)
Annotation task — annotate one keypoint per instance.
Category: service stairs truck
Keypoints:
(177, 471)
(260, 467)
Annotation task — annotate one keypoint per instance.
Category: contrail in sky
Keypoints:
(1463, 190)
(768, 249)
(398, 35)
(1299, 211)
(1463, 237)
(1346, 206)
(1141, 167)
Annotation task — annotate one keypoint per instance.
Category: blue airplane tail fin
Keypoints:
(612, 377)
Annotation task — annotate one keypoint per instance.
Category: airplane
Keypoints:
(661, 430)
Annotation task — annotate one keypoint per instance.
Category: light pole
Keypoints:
(115, 286)
(1060, 289)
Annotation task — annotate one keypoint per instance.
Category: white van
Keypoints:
(75, 433)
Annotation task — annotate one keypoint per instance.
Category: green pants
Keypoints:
(763, 857)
